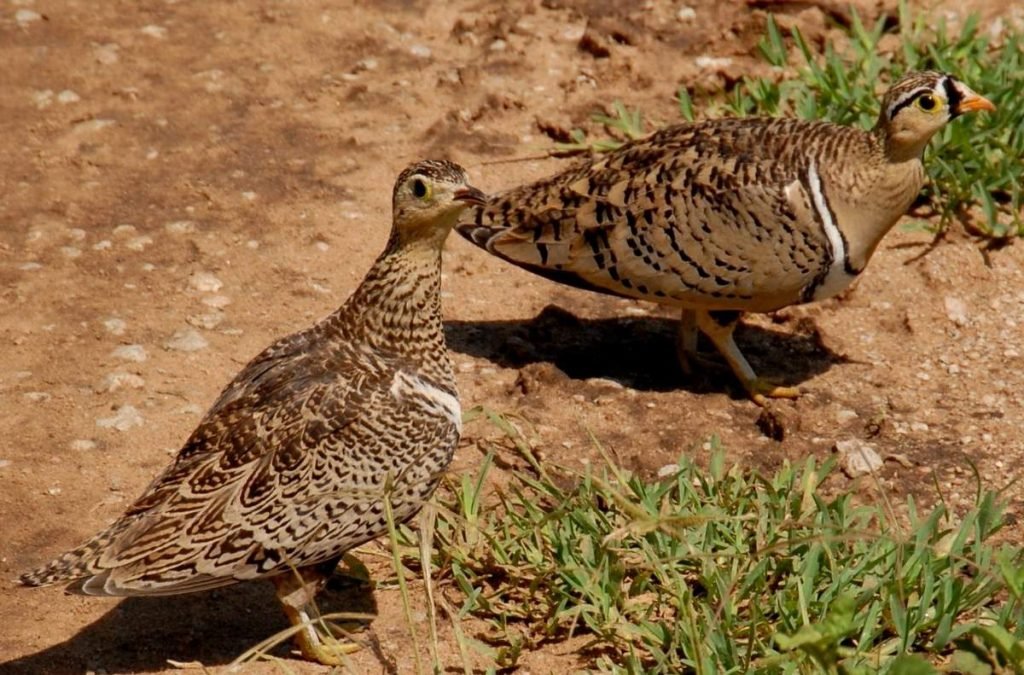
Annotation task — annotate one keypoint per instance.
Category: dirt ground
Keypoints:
(181, 183)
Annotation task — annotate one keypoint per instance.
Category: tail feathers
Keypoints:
(83, 561)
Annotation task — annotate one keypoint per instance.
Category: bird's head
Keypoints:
(428, 198)
(918, 105)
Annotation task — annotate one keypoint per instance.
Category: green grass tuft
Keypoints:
(723, 570)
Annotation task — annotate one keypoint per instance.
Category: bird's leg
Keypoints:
(690, 359)
(316, 639)
(719, 326)
(686, 340)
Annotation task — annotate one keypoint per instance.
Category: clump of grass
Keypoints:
(974, 164)
(723, 570)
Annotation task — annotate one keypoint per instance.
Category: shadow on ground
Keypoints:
(638, 352)
(213, 628)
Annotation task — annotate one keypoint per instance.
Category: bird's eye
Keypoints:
(926, 102)
(420, 189)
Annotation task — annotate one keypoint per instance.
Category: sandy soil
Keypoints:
(181, 183)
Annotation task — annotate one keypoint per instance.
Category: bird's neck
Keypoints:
(873, 196)
(396, 310)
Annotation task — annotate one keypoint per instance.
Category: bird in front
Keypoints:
(291, 466)
(727, 216)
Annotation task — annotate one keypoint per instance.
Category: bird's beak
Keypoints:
(971, 101)
(470, 195)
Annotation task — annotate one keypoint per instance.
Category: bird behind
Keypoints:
(291, 466)
(727, 216)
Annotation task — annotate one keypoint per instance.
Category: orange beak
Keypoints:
(970, 101)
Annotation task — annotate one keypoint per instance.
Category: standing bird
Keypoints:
(727, 216)
(290, 468)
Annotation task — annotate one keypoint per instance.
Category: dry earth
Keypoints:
(183, 182)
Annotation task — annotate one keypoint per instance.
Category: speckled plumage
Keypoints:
(725, 215)
(289, 466)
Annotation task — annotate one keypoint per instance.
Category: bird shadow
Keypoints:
(638, 352)
(212, 628)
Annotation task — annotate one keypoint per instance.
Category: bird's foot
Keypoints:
(326, 649)
(324, 641)
(760, 390)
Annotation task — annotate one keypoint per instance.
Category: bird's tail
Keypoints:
(77, 563)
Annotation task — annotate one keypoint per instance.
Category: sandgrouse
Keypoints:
(289, 468)
(727, 216)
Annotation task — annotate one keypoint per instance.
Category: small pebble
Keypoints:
(857, 458)
(125, 418)
(207, 321)
(119, 380)
(843, 416)
(154, 31)
(420, 51)
(115, 326)
(204, 282)
(956, 310)
(136, 353)
(139, 243)
(186, 340)
(217, 301)
(82, 445)
(124, 230)
(67, 96)
(181, 227)
(26, 16)
(70, 252)
(102, 245)
(686, 14)
(4, 463)
(37, 396)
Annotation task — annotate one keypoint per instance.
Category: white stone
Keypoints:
(217, 301)
(956, 310)
(420, 51)
(857, 458)
(124, 418)
(115, 326)
(713, 62)
(844, 415)
(686, 14)
(205, 282)
(27, 16)
(68, 96)
(136, 353)
(154, 31)
(181, 227)
(139, 243)
(187, 340)
(206, 321)
(82, 445)
(120, 380)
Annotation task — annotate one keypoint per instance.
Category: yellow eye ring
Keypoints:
(420, 189)
(927, 103)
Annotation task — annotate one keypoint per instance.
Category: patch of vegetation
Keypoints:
(723, 570)
(974, 163)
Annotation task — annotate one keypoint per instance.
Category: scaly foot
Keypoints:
(760, 390)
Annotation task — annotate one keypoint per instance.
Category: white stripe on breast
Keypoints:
(837, 277)
(411, 388)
